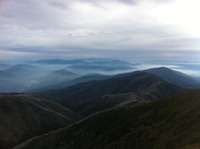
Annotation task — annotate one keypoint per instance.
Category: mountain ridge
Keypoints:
(24, 116)
(157, 125)
(143, 84)
(175, 77)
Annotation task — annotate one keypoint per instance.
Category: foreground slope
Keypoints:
(24, 116)
(173, 123)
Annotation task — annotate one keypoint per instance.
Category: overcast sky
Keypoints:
(120, 29)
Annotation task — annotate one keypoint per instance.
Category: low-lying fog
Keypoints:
(49, 74)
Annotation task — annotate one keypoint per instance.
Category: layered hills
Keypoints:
(87, 98)
(28, 76)
(125, 111)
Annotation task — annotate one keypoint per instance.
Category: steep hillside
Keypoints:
(173, 123)
(24, 116)
(145, 85)
(175, 77)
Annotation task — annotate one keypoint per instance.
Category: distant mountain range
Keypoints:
(91, 65)
(81, 61)
(172, 123)
(51, 74)
(16, 78)
(10, 86)
(38, 75)
(17, 70)
(59, 81)
(70, 78)
(4, 66)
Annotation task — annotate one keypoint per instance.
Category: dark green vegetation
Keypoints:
(24, 116)
(173, 123)
(87, 98)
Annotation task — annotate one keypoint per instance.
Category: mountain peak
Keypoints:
(173, 76)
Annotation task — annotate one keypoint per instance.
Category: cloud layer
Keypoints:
(143, 29)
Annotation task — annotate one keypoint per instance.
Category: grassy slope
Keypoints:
(23, 116)
(170, 124)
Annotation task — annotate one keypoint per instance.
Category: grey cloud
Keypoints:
(164, 1)
(130, 1)
(58, 4)
(123, 1)
(33, 26)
